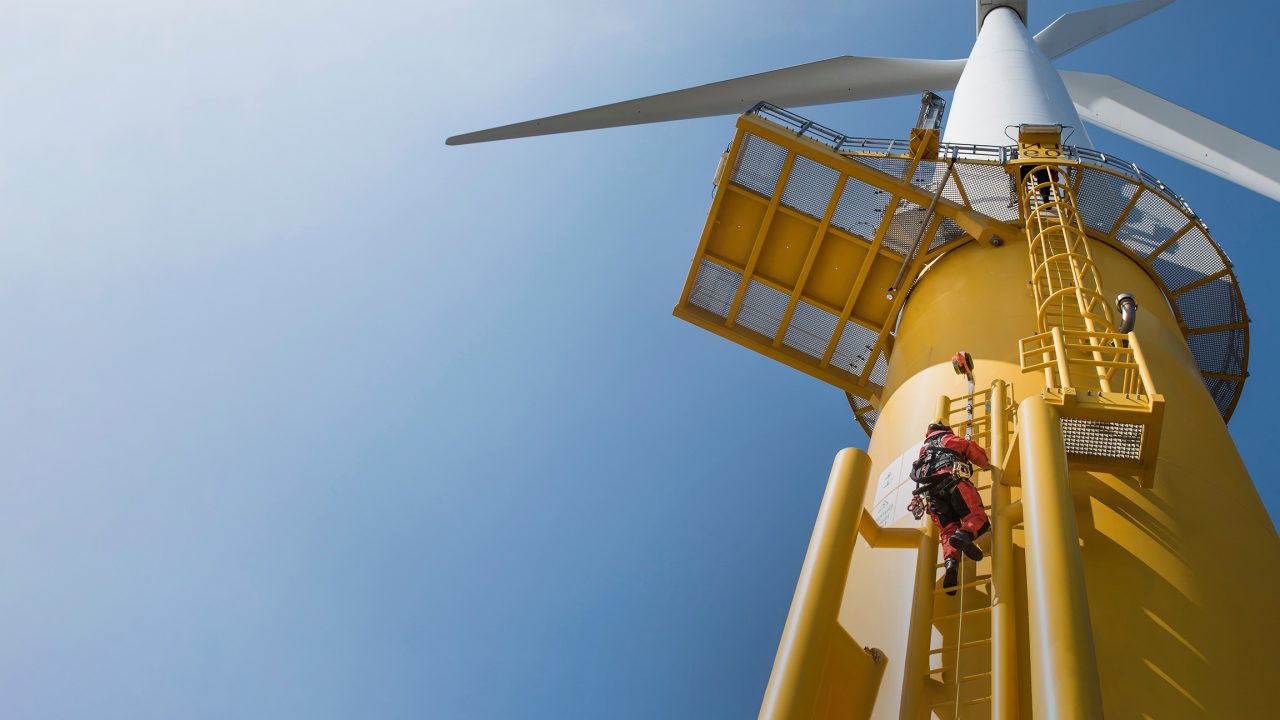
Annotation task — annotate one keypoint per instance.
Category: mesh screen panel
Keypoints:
(952, 190)
(853, 348)
(1102, 439)
(759, 165)
(947, 232)
(1222, 391)
(868, 421)
(810, 329)
(1214, 303)
(862, 411)
(860, 209)
(714, 288)
(896, 167)
(928, 175)
(879, 371)
(809, 187)
(1188, 259)
(1220, 352)
(989, 190)
(904, 227)
(762, 309)
(1151, 222)
(1101, 199)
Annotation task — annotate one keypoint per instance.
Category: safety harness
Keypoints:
(936, 472)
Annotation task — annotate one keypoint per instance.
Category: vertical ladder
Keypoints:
(957, 653)
(1065, 282)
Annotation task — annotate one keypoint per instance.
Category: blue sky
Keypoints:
(310, 416)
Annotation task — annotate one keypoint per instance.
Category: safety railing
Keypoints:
(995, 153)
(1112, 362)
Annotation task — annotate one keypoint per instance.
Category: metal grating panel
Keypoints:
(860, 209)
(714, 288)
(1095, 438)
(759, 165)
(1188, 259)
(1214, 303)
(952, 191)
(903, 228)
(896, 167)
(810, 329)
(762, 309)
(947, 232)
(863, 413)
(989, 190)
(868, 421)
(928, 175)
(1152, 221)
(879, 371)
(855, 345)
(1101, 199)
(809, 187)
(1222, 391)
(1220, 352)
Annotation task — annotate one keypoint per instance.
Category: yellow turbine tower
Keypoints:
(1109, 342)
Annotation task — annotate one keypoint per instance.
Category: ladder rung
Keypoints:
(963, 680)
(985, 556)
(961, 646)
(975, 701)
(975, 583)
(966, 612)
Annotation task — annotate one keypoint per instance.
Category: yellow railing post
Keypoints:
(943, 413)
(916, 663)
(1004, 648)
(1064, 669)
(797, 669)
(1149, 387)
(1060, 353)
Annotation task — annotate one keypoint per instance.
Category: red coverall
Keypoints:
(960, 509)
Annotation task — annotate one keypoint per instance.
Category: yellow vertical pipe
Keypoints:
(1149, 388)
(1064, 669)
(1060, 350)
(915, 664)
(797, 668)
(1004, 648)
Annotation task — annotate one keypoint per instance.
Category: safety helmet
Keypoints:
(937, 425)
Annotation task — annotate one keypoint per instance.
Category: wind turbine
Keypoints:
(1102, 100)
(1113, 581)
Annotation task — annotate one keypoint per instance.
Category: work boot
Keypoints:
(949, 575)
(963, 541)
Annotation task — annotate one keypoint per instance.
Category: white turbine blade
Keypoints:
(1150, 120)
(827, 81)
(1076, 29)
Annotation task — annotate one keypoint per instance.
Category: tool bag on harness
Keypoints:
(936, 471)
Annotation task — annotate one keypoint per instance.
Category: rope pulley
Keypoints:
(962, 363)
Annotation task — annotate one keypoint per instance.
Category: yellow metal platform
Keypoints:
(814, 239)
(808, 253)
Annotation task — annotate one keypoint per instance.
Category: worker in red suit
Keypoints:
(942, 472)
